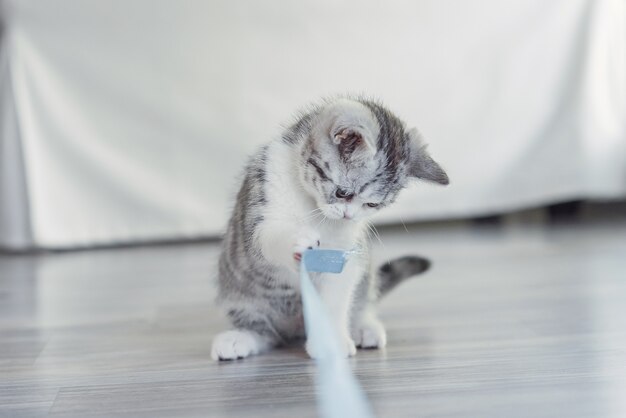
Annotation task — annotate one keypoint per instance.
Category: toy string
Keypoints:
(338, 392)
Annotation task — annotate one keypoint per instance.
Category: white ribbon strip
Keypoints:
(338, 392)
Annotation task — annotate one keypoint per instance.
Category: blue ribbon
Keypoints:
(338, 392)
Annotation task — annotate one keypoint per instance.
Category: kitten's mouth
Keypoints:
(337, 214)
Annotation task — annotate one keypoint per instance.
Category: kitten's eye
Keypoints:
(373, 205)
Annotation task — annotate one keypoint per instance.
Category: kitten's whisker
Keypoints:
(379, 239)
(368, 232)
(374, 233)
(314, 214)
(377, 235)
(311, 217)
(322, 221)
(403, 224)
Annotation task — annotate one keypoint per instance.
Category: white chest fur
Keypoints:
(289, 204)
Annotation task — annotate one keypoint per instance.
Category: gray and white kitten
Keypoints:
(340, 163)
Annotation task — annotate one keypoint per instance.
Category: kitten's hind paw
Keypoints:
(237, 344)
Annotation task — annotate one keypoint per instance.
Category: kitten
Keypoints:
(340, 163)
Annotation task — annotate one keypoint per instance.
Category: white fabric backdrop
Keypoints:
(130, 120)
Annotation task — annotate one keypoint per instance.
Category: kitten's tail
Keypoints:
(395, 271)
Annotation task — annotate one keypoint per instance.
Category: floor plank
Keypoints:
(522, 320)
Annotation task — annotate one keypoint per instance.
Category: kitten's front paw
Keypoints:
(234, 344)
(346, 345)
(306, 239)
(370, 334)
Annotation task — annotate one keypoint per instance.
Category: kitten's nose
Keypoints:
(342, 194)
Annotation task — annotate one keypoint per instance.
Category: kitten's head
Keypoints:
(358, 156)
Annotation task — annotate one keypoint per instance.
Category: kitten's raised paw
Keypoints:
(306, 239)
(235, 344)
(370, 334)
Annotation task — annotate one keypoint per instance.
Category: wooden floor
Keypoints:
(511, 322)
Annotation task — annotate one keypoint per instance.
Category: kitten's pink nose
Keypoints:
(346, 216)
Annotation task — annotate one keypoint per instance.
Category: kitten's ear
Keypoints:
(352, 128)
(350, 139)
(421, 164)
